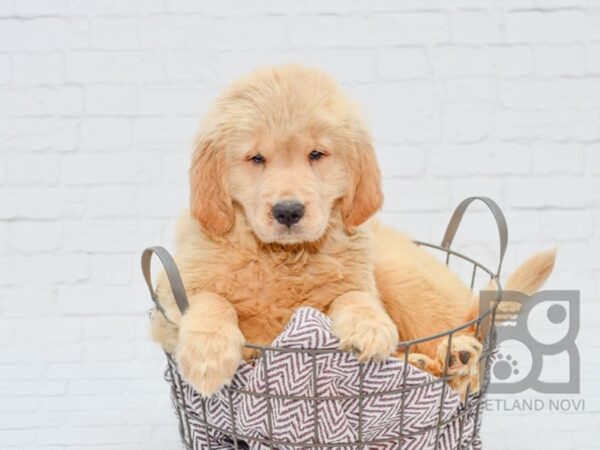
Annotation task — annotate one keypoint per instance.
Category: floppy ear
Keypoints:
(210, 201)
(365, 196)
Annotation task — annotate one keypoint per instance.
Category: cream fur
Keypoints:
(245, 275)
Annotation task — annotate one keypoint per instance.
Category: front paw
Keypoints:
(370, 334)
(208, 359)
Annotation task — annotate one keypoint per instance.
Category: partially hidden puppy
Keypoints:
(283, 180)
(425, 298)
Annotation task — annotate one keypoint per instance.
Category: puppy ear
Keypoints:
(210, 200)
(365, 196)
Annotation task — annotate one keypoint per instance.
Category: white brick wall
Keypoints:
(99, 100)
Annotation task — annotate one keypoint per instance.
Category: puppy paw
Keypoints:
(425, 363)
(463, 367)
(208, 359)
(370, 334)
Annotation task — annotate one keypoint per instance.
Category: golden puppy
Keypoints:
(282, 179)
(425, 298)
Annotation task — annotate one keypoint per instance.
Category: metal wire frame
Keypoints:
(471, 408)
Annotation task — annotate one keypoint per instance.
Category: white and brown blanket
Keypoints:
(399, 406)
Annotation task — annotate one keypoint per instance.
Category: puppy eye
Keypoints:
(258, 159)
(315, 154)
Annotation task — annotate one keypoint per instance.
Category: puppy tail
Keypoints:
(533, 273)
(528, 279)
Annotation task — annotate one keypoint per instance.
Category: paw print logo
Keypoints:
(505, 367)
(545, 327)
(511, 364)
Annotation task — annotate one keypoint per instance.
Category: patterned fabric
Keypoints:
(336, 417)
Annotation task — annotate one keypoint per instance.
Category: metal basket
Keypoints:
(470, 408)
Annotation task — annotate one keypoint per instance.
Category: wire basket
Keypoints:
(459, 431)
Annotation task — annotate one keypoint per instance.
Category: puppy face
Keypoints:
(287, 187)
(288, 148)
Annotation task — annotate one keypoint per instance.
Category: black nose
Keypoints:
(288, 213)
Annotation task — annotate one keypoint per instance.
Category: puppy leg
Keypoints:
(363, 326)
(209, 350)
(463, 368)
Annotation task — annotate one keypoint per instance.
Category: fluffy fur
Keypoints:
(245, 273)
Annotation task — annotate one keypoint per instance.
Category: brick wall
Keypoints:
(99, 101)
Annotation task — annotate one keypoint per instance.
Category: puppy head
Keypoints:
(289, 148)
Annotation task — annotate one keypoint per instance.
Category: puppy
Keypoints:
(283, 180)
(424, 298)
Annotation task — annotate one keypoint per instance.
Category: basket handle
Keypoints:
(173, 276)
(498, 217)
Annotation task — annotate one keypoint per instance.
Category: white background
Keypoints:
(99, 101)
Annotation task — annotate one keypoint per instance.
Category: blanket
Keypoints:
(272, 400)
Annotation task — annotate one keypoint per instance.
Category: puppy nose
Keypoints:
(288, 213)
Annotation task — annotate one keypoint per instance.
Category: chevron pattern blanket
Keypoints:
(271, 403)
